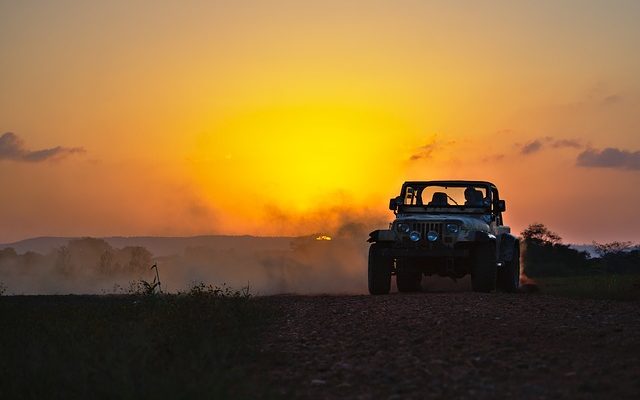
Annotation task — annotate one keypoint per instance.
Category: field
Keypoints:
(604, 286)
(215, 344)
(126, 346)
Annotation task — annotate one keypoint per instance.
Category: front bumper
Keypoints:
(427, 250)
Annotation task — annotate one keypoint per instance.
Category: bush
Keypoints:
(200, 289)
(142, 288)
(618, 257)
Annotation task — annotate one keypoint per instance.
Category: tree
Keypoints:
(618, 257)
(543, 254)
(540, 234)
(612, 248)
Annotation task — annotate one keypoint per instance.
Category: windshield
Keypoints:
(459, 196)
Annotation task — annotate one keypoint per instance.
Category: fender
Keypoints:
(381, 235)
(506, 243)
(482, 236)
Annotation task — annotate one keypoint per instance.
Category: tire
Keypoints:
(380, 266)
(408, 281)
(509, 273)
(484, 268)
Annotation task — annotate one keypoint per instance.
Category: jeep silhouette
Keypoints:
(446, 228)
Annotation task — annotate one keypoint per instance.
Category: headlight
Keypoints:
(403, 228)
(453, 228)
(415, 236)
(432, 236)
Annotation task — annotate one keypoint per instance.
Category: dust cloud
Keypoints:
(527, 284)
(325, 262)
(331, 261)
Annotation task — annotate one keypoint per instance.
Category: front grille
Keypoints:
(424, 227)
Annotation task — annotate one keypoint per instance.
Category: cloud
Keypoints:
(531, 147)
(566, 143)
(426, 151)
(610, 158)
(13, 148)
(548, 141)
(493, 158)
(612, 99)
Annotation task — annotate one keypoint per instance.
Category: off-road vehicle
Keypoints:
(446, 228)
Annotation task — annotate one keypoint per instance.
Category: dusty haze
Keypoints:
(268, 265)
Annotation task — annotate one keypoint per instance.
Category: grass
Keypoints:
(605, 286)
(202, 343)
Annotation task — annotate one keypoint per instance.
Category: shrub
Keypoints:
(142, 288)
(201, 289)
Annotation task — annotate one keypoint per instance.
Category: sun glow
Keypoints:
(298, 156)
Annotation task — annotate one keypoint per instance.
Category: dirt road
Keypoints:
(452, 345)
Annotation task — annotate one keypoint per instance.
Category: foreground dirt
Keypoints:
(452, 345)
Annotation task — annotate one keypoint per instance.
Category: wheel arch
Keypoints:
(381, 236)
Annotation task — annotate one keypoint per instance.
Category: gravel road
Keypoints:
(452, 345)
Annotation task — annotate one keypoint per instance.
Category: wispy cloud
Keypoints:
(572, 143)
(426, 151)
(13, 148)
(531, 147)
(610, 157)
(612, 99)
(548, 141)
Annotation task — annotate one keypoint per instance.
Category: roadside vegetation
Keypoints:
(198, 343)
(559, 269)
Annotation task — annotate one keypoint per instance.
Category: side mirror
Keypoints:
(394, 203)
(502, 206)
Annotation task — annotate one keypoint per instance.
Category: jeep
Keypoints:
(446, 228)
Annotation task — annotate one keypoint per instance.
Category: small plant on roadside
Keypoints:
(145, 288)
(3, 288)
(201, 289)
(142, 288)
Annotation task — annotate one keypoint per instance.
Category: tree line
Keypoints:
(544, 254)
(80, 256)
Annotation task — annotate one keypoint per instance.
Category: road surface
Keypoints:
(451, 345)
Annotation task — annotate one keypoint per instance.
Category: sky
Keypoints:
(292, 117)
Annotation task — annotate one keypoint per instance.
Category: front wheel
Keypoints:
(509, 272)
(484, 270)
(380, 266)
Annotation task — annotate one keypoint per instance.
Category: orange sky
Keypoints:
(282, 117)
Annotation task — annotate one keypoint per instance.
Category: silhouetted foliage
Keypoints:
(618, 257)
(540, 234)
(90, 254)
(80, 257)
(607, 249)
(544, 254)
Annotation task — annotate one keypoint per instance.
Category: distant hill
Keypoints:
(161, 246)
(589, 248)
